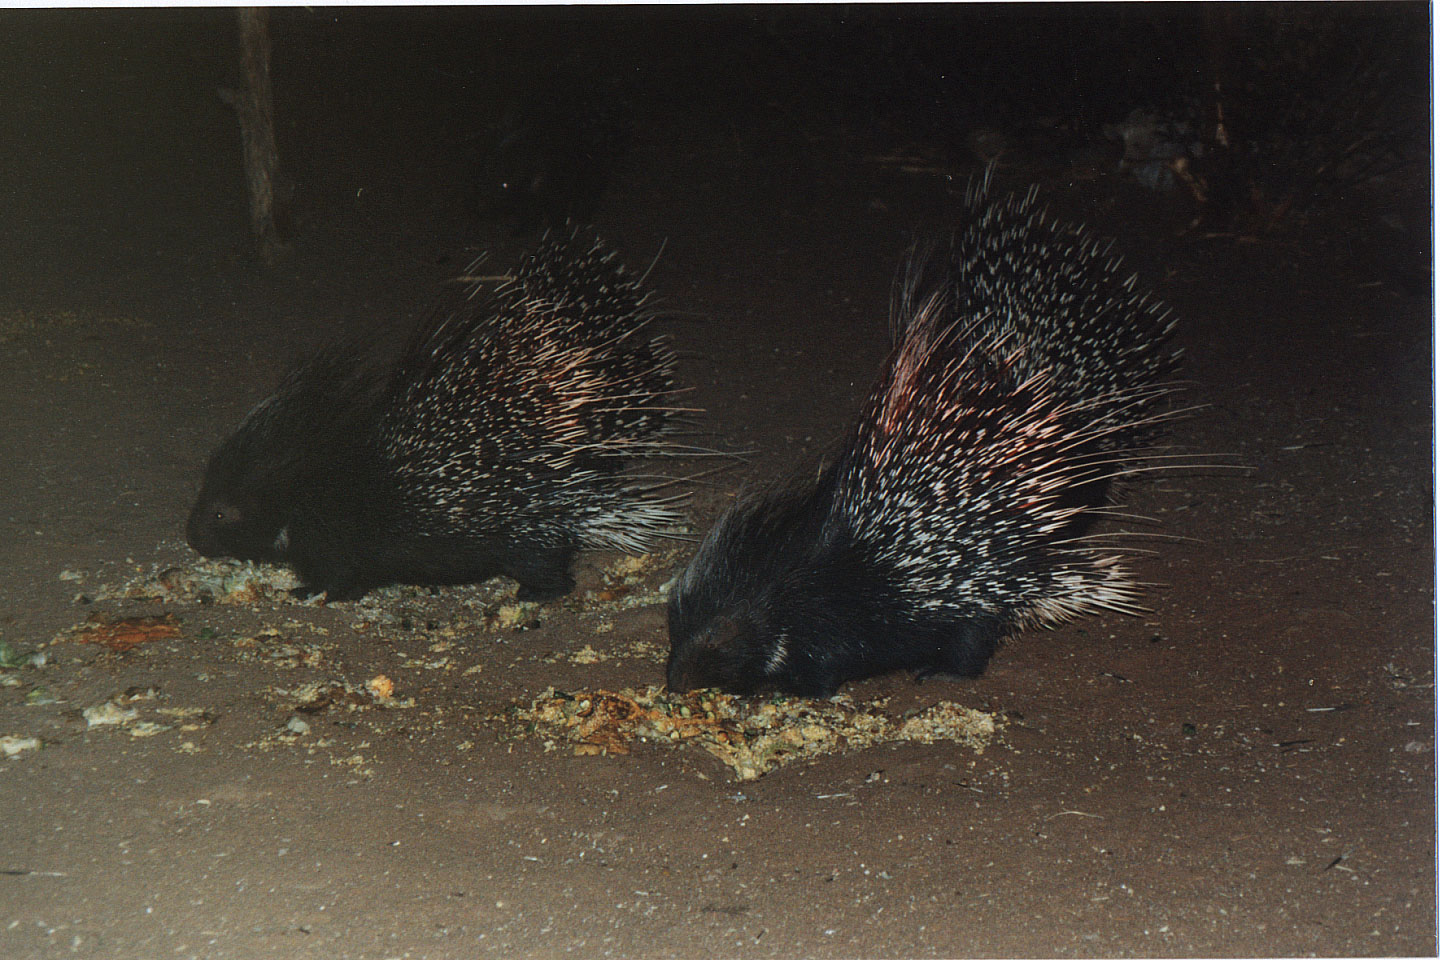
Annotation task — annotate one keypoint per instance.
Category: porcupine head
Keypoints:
(277, 468)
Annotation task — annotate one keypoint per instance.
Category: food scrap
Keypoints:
(752, 737)
(13, 746)
(209, 581)
(322, 695)
(124, 633)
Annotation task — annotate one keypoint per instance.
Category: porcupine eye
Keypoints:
(226, 514)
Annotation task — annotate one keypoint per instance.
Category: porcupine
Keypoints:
(495, 444)
(1026, 373)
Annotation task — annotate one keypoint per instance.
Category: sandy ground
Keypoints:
(1248, 770)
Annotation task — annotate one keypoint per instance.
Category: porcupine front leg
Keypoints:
(339, 583)
(960, 650)
(543, 572)
(328, 560)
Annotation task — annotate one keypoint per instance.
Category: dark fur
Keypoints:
(776, 574)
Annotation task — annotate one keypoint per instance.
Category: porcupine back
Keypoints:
(1013, 272)
(524, 420)
(956, 509)
(497, 443)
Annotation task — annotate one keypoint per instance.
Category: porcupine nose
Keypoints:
(678, 677)
(199, 531)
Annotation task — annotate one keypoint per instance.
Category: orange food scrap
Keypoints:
(603, 729)
(124, 633)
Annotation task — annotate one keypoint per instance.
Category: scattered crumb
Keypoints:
(624, 583)
(633, 650)
(515, 615)
(749, 736)
(146, 728)
(274, 648)
(321, 695)
(203, 581)
(108, 714)
(14, 746)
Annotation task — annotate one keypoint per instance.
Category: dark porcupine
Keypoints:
(1026, 373)
(495, 444)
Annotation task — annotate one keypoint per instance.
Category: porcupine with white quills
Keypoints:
(1026, 374)
(496, 443)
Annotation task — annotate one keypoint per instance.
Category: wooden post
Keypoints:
(256, 111)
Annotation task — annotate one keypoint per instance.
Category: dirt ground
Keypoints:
(1249, 770)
